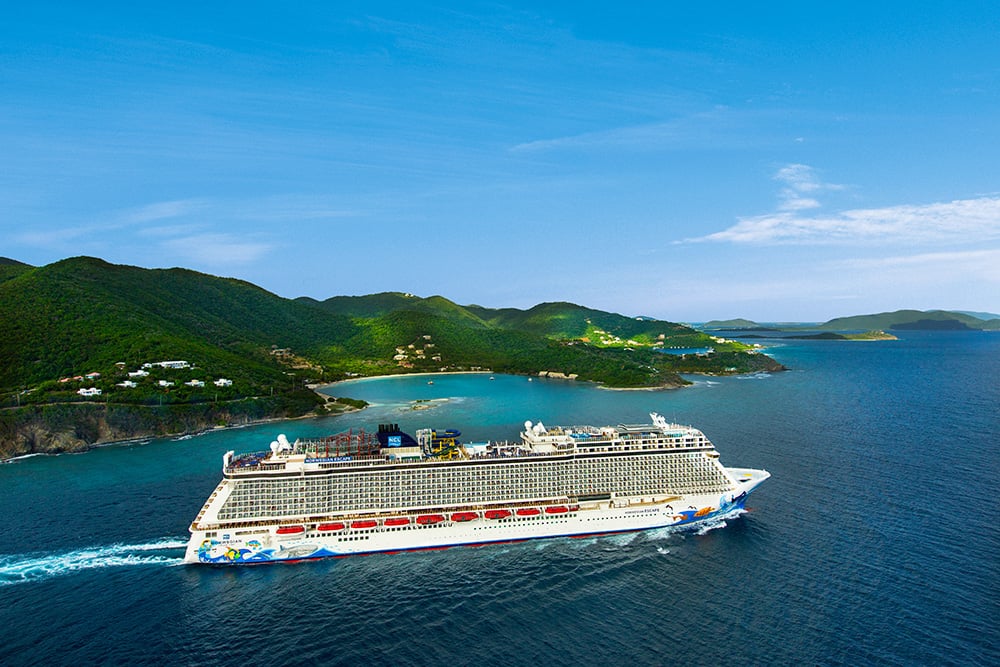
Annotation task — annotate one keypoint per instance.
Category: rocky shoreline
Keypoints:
(79, 427)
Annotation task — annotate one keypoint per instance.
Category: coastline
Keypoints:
(317, 387)
(144, 438)
(600, 385)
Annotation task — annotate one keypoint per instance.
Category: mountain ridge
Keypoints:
(95, 313)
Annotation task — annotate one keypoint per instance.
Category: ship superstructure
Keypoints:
(360, 492)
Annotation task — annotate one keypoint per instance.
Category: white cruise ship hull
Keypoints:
(306, 540)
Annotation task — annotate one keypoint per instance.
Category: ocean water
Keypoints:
(874, 542)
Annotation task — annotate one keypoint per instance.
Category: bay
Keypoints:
(873, 542)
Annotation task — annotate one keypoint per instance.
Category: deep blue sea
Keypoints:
(874, 543)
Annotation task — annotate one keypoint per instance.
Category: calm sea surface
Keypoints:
(875, 541)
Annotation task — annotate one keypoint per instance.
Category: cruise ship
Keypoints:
(360, 492)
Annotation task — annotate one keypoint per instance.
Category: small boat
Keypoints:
(464, 516)
(364, 523)
(429, 519)
(528, 511)
(556, 509)
(496, 514)
(330, 527)
(290, 530)
(397, 521)
(574, 508)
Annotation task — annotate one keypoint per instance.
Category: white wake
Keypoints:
(22, 568)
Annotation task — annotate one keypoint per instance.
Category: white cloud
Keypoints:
(800, 180)
(164, 210)
(715, 128)
(980, 263)
(216, 249)
(960, 221)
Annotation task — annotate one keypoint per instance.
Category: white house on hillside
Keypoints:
(173, 364)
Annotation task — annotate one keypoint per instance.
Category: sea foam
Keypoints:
(22, 568)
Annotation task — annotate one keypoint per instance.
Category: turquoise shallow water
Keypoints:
(873, 543)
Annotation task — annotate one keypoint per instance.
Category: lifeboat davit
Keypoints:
(330, 527)
(528, 511)
(464, 516)
(290, 530)
(364, 523)
(429, 519)
(497, 514)
(397, 521)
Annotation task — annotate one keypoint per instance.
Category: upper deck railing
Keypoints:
(332, 453)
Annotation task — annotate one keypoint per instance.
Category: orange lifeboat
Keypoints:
(397, 521)
(364, 523)
(528, 511)
(290, 530)
(429, 519)
(556, 509)
(464, 516)
(330, 527)
(496, 514)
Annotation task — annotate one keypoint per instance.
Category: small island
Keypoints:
(830, 335)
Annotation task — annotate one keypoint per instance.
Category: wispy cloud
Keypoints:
(718, 127)
(802, 184)
(164, 210)
(980, 262)
(217, 249)
(959, 221)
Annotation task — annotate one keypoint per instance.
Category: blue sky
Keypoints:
(687, 161)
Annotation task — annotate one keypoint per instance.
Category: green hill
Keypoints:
(80, 316)
(738, 323)
(912, 320)
(10, 268)
(83, 314)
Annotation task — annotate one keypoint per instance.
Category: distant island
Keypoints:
(830, 335)
(75, 334)
(899, 320)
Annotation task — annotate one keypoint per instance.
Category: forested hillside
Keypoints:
(83, 331)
